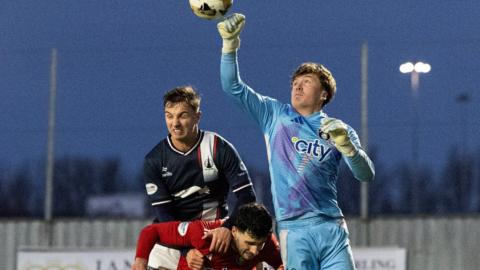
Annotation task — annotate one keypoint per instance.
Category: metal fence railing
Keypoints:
(432, 243)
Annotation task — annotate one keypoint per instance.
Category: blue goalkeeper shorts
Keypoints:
(315, 243)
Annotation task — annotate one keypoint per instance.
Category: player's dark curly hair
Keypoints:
(325, 76)
(183, 94)
(254, 219)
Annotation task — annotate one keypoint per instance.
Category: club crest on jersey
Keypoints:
(151, 188)
(208, 163)
(311, 148)
(182, 228)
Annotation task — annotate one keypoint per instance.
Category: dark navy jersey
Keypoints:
(195, 184)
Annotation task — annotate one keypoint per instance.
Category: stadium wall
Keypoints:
(434, 243)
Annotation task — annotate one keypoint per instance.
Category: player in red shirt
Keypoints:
(253, 241)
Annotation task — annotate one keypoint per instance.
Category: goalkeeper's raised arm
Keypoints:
(303, 165)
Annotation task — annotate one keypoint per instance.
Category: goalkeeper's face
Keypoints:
(182, 122)
(307, 93)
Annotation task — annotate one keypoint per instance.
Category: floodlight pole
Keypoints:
(414, 82)
(415, 70)
(50, 164)
(364, 136)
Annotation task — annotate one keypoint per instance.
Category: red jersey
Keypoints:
(189, 234)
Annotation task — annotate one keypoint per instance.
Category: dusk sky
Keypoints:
(117, 58)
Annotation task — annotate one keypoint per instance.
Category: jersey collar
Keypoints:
(189, 151)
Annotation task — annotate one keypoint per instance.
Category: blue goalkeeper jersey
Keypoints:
(303, 166)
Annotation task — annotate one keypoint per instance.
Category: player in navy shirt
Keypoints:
(188, 176)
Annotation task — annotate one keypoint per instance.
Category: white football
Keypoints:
(210, 9)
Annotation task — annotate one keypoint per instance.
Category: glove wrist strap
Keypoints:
(230, 45)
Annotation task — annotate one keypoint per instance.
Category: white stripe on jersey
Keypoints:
(242, 187)
(210, 211)
(283, 245)
(162, 202)
(210, 171)
(191, 190)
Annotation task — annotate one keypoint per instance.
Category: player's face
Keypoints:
(307, 93)
(182, 122)
(247, 246)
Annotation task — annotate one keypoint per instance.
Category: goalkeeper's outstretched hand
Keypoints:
(338, 133)
(230, 29)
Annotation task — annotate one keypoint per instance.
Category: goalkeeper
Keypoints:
(303, 161)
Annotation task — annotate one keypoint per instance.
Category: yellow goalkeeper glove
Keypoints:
(338, 133)
(229, 30)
